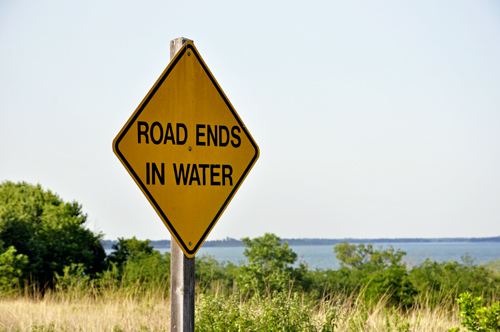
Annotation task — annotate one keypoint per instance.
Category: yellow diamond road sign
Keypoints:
(187, 149)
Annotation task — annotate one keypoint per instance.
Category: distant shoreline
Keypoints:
(230, 242)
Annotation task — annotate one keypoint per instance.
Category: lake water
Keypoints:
(323, 257)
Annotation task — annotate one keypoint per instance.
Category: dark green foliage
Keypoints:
(126, 248)
(394, 284)
(48, 231)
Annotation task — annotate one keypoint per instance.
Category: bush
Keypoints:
(12, 268)
(375, 274)
(279, 312)
(137, 268)
(475, 317)
(268, 269)
(73, 280)
(434, 280)
(213, 276)
(148, 272)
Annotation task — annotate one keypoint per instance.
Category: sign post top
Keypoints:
(187, 149)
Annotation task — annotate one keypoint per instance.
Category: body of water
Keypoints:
(323, 257)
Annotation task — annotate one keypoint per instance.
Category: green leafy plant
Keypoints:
(279, 312)
(475, 317)
(73, 279)
(42, 328)
(12, 267)
(394, 322)
(357, 322)
(217, 313)
(214, 276)
(332, 313)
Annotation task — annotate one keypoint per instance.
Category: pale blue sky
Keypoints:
(374, 119)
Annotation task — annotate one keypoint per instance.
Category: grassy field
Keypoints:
(283, 312)
(84, 314)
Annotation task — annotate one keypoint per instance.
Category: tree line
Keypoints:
(44, 245)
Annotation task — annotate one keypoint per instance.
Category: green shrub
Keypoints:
(395, 322)
(213, 276)
(475, 317)
(218, 313)
(12, 268)
(73, 280)
(435, 281)
(268, 269)
(148, 272)
(375, 274)
(279, 312)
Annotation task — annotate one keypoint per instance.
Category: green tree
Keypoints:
(126, 248)
(366, 257)
(268, 267)
(51, 233)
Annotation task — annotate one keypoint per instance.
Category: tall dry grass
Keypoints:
(355, 315)
(122, 309)
(87, 307)
(127, 314)
(116, 310)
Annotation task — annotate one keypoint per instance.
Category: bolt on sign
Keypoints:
(187, 149)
